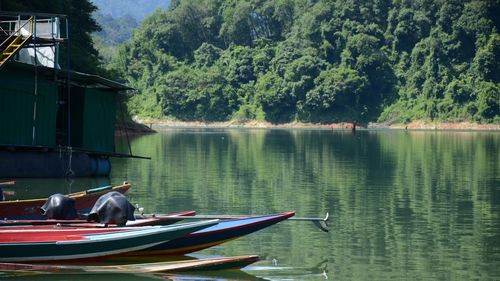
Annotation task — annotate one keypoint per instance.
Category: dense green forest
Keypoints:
(317, 61)
(298, 60)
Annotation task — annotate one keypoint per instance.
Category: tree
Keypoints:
(337, 96)
(276, 103)
(488, 101)
(206, 55)
(486, 63)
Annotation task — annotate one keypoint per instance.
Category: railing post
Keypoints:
(68, 79)
(56, 46)
(35, 99)
(33, 28)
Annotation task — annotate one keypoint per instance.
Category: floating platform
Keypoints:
(45, 164)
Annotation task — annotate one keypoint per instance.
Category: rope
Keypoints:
(68, 80)
(70, 172)
(70, 182)
(35, 99)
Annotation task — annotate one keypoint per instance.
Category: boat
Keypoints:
(224, 231)
(161, 219)
(30, 208)
(222, 263)
(58, 244)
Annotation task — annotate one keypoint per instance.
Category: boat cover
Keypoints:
(59, 207)
(112, 208)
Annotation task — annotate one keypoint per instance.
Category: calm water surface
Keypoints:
(419, 205)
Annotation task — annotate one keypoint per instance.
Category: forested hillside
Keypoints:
(114, 31)
(118, 19)
(317, 61)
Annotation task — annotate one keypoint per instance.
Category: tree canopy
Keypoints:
(317, 60)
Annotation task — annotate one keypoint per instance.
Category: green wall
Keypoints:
(99, 120)
(17, 96)
(92, 111)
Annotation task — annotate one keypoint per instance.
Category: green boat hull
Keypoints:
(96, 245)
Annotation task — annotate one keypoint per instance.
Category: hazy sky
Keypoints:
(137, 8)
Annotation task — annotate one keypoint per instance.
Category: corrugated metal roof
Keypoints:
(78, 78)
(28, 14)
(93, 81)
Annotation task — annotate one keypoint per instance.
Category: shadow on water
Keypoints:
(276, 272)
(76, 277)
(26, 188)
(233, 275)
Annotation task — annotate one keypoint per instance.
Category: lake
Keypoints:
(403, 205)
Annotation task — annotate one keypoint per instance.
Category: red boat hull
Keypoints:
(30, 209)
(160, 219)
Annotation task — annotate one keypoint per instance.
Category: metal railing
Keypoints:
(16, 32)
(9, 24)
(45, 30)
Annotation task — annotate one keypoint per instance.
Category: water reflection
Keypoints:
(26, 188)
(404, 205)
(76, 277)
(229, 275)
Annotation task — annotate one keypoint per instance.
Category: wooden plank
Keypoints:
(7, 183)
(236, 262)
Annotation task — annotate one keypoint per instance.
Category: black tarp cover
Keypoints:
(112, 208)
(59, 207)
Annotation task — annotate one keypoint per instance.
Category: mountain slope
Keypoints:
(317, 61)
(138, 9)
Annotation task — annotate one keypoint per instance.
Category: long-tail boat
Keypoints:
(224, 231)
(83, 243)
(236, 262)
(30, 208)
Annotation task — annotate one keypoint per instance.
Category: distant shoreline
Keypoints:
(252, 124)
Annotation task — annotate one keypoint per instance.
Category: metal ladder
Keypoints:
(17, 41)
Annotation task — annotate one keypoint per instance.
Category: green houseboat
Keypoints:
(53, 122)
